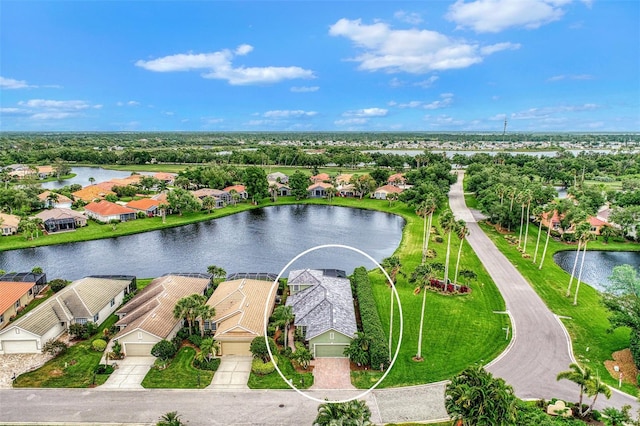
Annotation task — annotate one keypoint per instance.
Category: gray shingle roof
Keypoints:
(326, 305)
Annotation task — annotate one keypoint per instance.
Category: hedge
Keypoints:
(371, 324)
(262, 368)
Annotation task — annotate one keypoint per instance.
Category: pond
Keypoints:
(598, 265)
(82, 175)
(261, 240)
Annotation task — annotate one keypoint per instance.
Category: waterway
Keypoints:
(261, 240)
(598, 265)
(82, 175)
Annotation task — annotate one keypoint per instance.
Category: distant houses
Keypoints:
(9, 224)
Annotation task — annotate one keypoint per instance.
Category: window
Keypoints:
(81, 320)
(1, 319)
(30, 291)
(332, 335)
(113, 302)
(96, 317)
(18, 304)
(139, 335)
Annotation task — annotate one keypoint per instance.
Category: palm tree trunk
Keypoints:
(455, 275)
(424, 239)
(535, 255)
(573, 271)
(424, 302)
(391, 324)
(546, 243)
(521, 224)
(446, 263)
(526, 229)
(584, 254)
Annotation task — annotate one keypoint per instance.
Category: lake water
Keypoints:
(261, 240)
(84, 173)
(598, 265)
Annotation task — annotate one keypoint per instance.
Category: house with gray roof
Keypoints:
(90, 299)
(322, 303)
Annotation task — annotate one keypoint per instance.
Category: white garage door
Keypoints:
(20, 346)
(236, 348)
(138, 349)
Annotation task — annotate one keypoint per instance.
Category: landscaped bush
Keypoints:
(177, 342)
(183, 333)
(438, 239)
(262, 368)
(58, 284)
(55, 347)
(164, 350)
(103, 369)
(99, 345)
(195, 339)
(634, 346)
(205, 364)
(259, 350)
(371, 324)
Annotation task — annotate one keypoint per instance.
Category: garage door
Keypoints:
(20, 346)
(138, 349)
(332, 351)
(236, 348)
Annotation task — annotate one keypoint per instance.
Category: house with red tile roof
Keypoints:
(383, 192)
(556, 219)
(240, 189)
(167, 178)
(397, 179)
(106, 211)
(147, 205)
(322, 177)
(14, 296)
(92, 192)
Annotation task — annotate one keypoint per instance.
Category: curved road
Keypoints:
(540, 347)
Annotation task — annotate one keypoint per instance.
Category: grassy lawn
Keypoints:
(471, 201)
(73, 369)
(274, 381)
(587, 323)
(459, 330)
(179, 373)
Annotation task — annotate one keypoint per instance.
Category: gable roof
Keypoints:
(237, 188)
(59, 213)
(209, 192)
(81, 299)
(143, 204)
(9, 220)
(389, 188)
(11, 292)
(61, 198)
(152, 309)
(240, 306)
(327, 305)
(323, 185)
(320, 177)
(107, 208)
(91, 192)
(397, 178)
(165, 176)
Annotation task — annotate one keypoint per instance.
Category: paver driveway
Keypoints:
(331, 373)
(130, 373)
(233, 373)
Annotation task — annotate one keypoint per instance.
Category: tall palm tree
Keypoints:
(449, 225)
(586, 236)
(187, 308)
(463, 231)
(331, 192)
(529, 199)
(550, 212)
(393, 267)
(578, 375)
(217, 271)
(522, 198)
(426, 208)
(579, 231)
(283, 316)
(205, 313)
(421, 277)
(538, 211)
(273, 189)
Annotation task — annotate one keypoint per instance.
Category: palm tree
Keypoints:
(448, 223)
(463, 231)
(538, 212)
(331, 192)
(171, 418)
(354, 412)
(426, 207)
(273, 189)
(187, 308)
(586, 236)
(163, 211)
(209, 203)
(578, 375)
(205, 313)
(421, 277)
(92, 180)
(218, 272)
(550, 213)
(52, 198)
(283, 316)
(529, 198)
(522, 197)
(595, 387)
(393, 267)
(579, 231)
(475, 397)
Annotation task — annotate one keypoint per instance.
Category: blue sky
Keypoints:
(545, 65)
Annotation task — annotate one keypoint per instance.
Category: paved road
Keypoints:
(541, 347)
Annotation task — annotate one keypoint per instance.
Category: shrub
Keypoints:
(117, 350)
(99, 345)
(205, 364)
(57, 284)
(286, 352)
(164, 350)
(259, 350)
(634, 346)
(195, 339)
(54, 347)
(103, 369)
(262, 368)
(177, 342)
(183, 333)
(78, 331)
(371, 323)
(438, 239)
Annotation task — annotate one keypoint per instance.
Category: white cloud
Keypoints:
(133, 103)
(10, 83)
(412, 104)
(408, 17)
(414, 51)
(552, 111)
(304, 89)
(445, 100)
(45, 109)
(492, 16)
(51, 115)
(289, 114)
(351, 121)
(570, 77)
(425, 84)
(218, 65)
(367, 112)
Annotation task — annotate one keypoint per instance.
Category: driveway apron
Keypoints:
(130, 373)
(233, 373)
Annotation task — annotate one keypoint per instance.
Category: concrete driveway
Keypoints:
(233, 373)
(130, 373)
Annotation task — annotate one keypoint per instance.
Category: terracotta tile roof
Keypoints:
(324, 185)
(11, 292)
(208, 192)
(162, 197)
(238, 188)
(143, 204)
(61, 198)
(594, 221)
(129, 180)
(344, 178)
(397, 177)
(389, 188)
(92, 192)
(9, 220)
(164, 176)
(320, 177)
(107, 208)
(152, 309)
(45, 169)
(240, 306)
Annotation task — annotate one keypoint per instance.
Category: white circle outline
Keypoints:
(266, 320)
